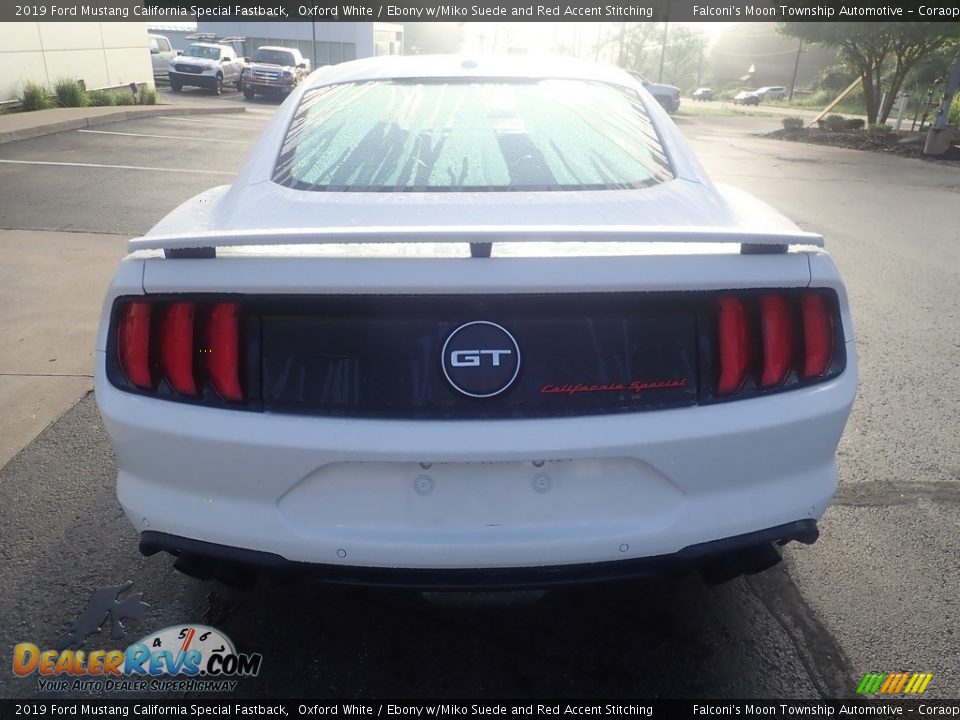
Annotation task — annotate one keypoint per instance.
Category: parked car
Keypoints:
(161, 53)
(307, 372)
(206, 65)
(772, 92)
(274, 71)
(666, 95)
(746, 97)
(703, 94)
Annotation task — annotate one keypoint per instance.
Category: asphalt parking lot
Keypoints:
(122, 178)
(877, 593)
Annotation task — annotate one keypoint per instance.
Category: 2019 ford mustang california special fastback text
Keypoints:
(474, 323)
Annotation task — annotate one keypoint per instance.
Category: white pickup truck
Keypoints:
(206, 65)
(161, 55)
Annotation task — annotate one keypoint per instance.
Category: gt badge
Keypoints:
(481, 359)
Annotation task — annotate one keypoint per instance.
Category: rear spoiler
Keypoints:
(480, 237)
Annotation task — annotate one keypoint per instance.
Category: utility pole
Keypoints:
(313, 29)
(796, 67)
(663, 51)
(700, 63)
(623, 39)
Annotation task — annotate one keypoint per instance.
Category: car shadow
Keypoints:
(651, 638)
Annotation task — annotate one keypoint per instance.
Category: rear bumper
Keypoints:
(459, 495)
(732, 556)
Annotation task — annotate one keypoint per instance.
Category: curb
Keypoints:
(120, 115)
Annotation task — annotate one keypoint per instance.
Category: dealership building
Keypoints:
(323, 43)
(102, 54)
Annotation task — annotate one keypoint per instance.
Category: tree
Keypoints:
(683, 55)
(637, 46)
(631, 45)
(881, 53)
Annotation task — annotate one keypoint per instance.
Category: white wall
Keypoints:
(105, 54)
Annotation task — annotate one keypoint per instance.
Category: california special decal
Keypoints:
(634, 386)
(184, 658)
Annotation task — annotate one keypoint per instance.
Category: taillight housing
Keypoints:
(770, 340)
(232, 350)
(188, 349)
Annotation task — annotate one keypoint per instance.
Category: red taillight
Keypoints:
(794, 332)
(221, 351)
(133, 344)
(191, 348)
(777, 329)
(734, 345)
(176, 347)
(817, 335)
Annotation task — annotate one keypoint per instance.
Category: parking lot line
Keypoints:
(211, 123)
(166, 137)
(116, 167)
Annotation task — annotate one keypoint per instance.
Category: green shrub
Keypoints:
(793, 123)
(879, 129)
(835, 123)
(148, 96)
(100, 98)
(35, 97)
(856, 124)
(954, 116)
(70, 93)
(122, 97)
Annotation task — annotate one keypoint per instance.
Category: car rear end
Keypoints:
(372, 403)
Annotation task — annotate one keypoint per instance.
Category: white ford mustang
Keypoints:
(474, 323)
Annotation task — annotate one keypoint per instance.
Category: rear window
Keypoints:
(454, 135)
